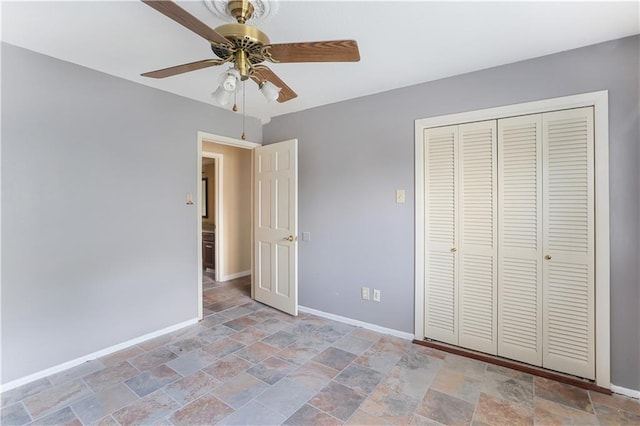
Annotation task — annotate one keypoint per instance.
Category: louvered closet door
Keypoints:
(477, 254)
(520, 238)
(440, 148)
(568, 240)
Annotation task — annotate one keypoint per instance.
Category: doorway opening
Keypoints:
(218, 294)
(224, 223)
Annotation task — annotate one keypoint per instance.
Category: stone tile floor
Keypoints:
(247, 364)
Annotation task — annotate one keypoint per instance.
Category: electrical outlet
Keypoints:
(376, 295)
(365, 293)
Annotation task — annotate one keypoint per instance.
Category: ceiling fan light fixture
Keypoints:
(270, 91)
(230, 80)
(229, 83)
(221, 96)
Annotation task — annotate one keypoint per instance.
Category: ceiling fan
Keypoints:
(247, 48)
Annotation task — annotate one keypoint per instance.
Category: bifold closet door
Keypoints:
(477, 253)
(441, 209)
(509, 233)
(568, 242)
(520, 238)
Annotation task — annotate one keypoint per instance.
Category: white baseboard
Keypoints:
(94, 355)
(351, 321)
(236, 275)
(626, 392)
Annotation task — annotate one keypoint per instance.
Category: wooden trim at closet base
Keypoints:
(525, 368)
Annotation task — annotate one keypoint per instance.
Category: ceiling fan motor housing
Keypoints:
(247, 41)
(245, 38)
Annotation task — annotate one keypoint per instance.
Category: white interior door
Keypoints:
(441, 210)
(568, 240)
(520, 238)
(275, 265)
(478, 236)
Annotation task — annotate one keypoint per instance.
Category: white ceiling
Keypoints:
(401, 43)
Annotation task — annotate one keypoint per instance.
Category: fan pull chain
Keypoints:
(235, 102)
(244, 110)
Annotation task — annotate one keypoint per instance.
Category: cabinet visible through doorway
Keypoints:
(208, 250)
(509, 238)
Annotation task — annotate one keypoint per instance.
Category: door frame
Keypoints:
(600, 101)
(222, 140)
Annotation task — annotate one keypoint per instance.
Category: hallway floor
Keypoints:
(248, 364)
(220, 296)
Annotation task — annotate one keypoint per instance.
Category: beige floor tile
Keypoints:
(496, 411)
(257, 352)
(308, 415)
(551, 414)
(191, 387)
(616, 401)
(313, 375)
(121, 356)
(613, 416)
(147, 410)
(467, 366)
(362, 418)
(445, 409)
(204, 411)
(55, 398)
(337, 400)
(457, 384)
(227, 368)
(386, 402)
(562, 393)
(508, 388)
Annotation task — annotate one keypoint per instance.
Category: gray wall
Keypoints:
(354, 154)
(98, 246)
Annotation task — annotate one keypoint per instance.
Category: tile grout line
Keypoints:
(26, 410)
(76, 414)
(321, 410)
(180, 406)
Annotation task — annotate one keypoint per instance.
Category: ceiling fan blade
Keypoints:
(180, 69)
(184, 18)
(263, 73)
(316, 51)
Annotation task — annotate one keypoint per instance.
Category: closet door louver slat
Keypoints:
(477, 254)
(441, 207)
(568, 328)
(520, 237)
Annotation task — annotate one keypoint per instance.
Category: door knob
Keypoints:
(547, 257)
(453, 250)
(290, 238)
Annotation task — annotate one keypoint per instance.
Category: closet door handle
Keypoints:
(547, 257)
(453, 250)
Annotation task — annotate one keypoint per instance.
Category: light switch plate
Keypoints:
(376, 295)
(400, 196)
(365, 293)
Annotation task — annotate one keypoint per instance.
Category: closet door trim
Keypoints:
(600, 101)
